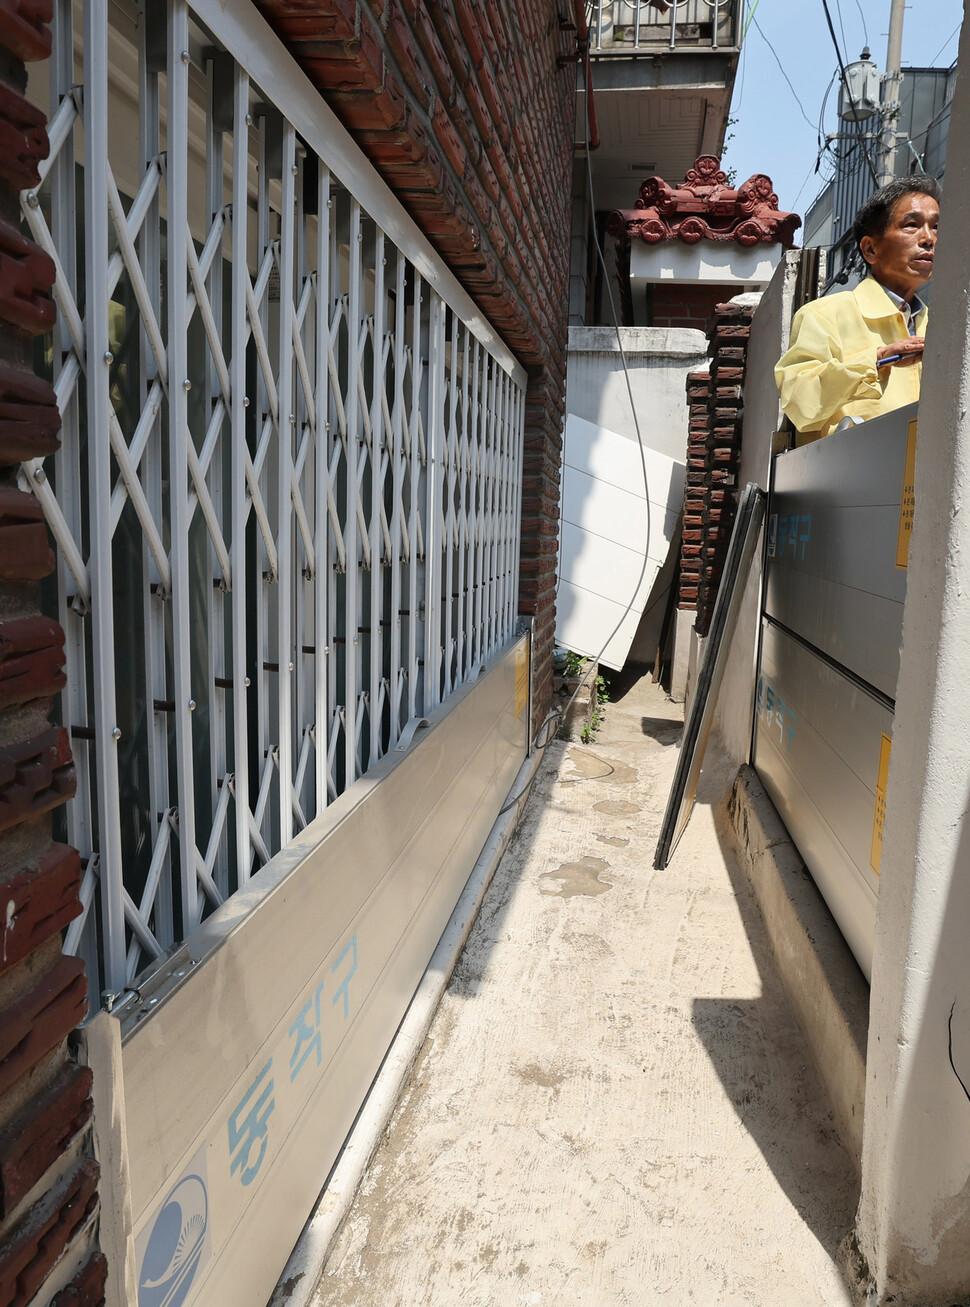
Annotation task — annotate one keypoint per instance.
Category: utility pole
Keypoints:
(892, 81)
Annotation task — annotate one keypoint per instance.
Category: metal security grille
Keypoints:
(287, 501)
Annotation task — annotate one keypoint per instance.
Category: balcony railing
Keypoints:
(625, 27)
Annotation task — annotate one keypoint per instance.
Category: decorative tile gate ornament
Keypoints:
(706, 207)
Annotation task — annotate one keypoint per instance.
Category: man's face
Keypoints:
(902, 257)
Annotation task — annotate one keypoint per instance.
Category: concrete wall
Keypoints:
(762, 414)
(914, 1217)
(657, 359)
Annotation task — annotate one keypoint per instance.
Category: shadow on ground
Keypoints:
(800, 1144)
(661, 729)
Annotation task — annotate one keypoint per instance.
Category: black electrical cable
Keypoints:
(865, 30)
(838, 10)
(557, 714)
(848, 90)
(945, 44)
(782, 70)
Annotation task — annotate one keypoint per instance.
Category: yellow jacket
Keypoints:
(829, 371)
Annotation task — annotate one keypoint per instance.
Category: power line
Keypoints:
(848, 89)
(945, 44)
(808, 175)
(784, 74)
(748, 20)
(862, 15)
(838, 10)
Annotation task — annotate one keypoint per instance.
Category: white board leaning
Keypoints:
(611, 516)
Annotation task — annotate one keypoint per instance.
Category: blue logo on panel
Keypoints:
(176, 1245)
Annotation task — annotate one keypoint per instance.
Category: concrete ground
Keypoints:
(614, 1104)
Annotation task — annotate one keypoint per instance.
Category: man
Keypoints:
(859, 353)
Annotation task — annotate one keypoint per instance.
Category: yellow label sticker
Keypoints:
(521, 678)
(879, 820)
(908, 501)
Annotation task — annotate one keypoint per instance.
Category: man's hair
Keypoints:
(873, 218)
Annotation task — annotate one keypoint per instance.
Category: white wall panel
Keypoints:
(616, 509)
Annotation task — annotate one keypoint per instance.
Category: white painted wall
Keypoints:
(657, 359)
(914, 1216)
(674, 262)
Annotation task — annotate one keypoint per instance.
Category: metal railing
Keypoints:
(630, 26)
(286, 503)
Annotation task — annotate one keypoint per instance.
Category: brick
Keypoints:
(37, 1136)
(729, 373)
(30, 1252)
(87, 1289)
(468, 20)
(26, 276)
(35, 776)
(40, 1019)
(292, 21)
(24, 29)
(733, 312)
(29, 417)
(31, 660)
(23, 139)
(457, 50)
(25, 553)
(414, 74)
(449, 141)
(39, 901)
(433, 51)
(382, 110)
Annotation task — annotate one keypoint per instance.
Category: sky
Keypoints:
(771, 134)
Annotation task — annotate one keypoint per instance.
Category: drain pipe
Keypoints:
(298, 1284)
(582, 56)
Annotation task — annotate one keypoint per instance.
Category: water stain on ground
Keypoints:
(577, 878)
(616, 808)
(534, 1074)
(614, 841)
(593, 767)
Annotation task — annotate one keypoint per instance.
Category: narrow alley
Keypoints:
(615, 1104)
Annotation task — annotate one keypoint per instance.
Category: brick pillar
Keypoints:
(48, 1182)
(715, 415)
(544, 418)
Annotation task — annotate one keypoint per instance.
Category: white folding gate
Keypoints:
(287, 501)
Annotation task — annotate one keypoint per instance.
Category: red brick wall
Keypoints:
(466, 109)
(685, 306)
(48, 1184)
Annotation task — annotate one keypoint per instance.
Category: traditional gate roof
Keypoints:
(705, 207)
